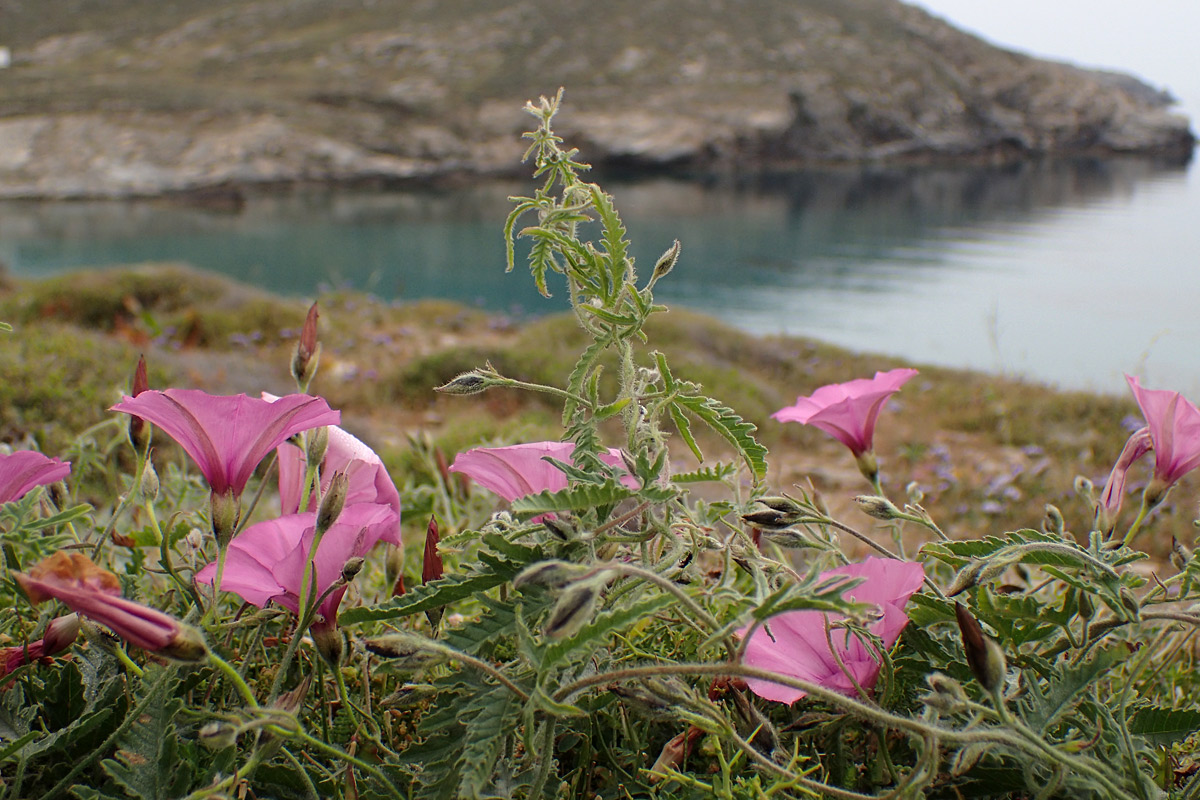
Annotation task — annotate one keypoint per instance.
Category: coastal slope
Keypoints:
(141, 97)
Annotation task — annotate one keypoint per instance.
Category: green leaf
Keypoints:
(61, 518)
(583, 367)
(434, 594)
(146, 762)
(524, 204)
(1042, 708)
(1164, 726)
(490, 719)
(685, 431)
(616, 246)
(575, 498)
(733, 428)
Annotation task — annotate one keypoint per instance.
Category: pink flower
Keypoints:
(25, 469)
(227, 436)
(521, 469)
(847, 411)
(369, 481)
(266, 561)
(60, 634)
(1113, 495)
(94, 592)
(1175, 431)
(794, 643)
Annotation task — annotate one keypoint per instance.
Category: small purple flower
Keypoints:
(795, 643)
(227, 436)
(1109, 504)
(60, 634)
(25, 469)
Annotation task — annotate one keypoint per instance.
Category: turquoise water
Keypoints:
(1068, 273)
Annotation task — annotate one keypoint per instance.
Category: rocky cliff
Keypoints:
(142, 97)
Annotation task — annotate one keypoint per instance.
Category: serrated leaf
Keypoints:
(717, 472)
(145, 765)
(434, 594)
(575, 498)
(579, 373)
(524, 204)
(616, 246)
(1042, 708)
(1164, 727)
(490, 717)
(685, 431)
(734, 429)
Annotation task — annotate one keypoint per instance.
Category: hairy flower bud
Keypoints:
(946, 694)
(307, 354)
(877, 507)
(218, 735)
(552, 574)
(466, 383)
(984, 656)
(139, 431)
(316, 443)
(149, 483)
(666, 262)
(1086, 607)
(329, 643)
(352, 567)
(405, 651)
(333, 502)
(1053, 522)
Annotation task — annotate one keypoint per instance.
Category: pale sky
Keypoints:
(1156, 40)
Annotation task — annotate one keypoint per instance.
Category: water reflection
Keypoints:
(967, 266)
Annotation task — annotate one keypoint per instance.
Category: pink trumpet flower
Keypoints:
(369, 481)
(95, 593)
(25, 469)
(1174, 425)
(60, 634)
(266, 561)
(519, 470)
(1109, 504)
(847, 411)
(227, 436)
(796, 643)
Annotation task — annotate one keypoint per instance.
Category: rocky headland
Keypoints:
(142, 98)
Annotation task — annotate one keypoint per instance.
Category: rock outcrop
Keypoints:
(151, 98)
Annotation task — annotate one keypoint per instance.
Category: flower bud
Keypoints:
(984, 656)
(316, 442)
(1130, 602)
(1180, 556)
(333, 502)
(139, 430)
(466, 383)
(913, 492)
(218, 735)
(307, 354)
(149, 484)
(329, 643)
(574, 608)
(405, 651)
(551, 574)
(60, 634)
(559, 529)
(352, 567)
(666, 262)
(431, 565)
(946, 694)
(877, 507)
(967, 577)
(1053, 522)
(1084, 487)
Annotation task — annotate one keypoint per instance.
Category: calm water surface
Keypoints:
(1068, 273)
